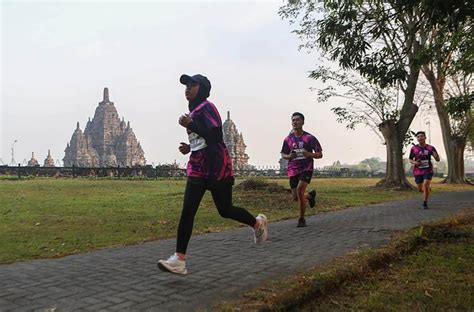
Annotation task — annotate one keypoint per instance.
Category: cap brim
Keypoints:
(185, 79)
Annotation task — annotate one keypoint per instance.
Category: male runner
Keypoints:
(420, 158)
(299, 148)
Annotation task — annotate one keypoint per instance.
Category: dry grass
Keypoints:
(430, 268)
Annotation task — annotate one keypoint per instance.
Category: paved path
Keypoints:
(221, 266)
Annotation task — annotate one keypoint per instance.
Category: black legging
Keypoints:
(222, 196)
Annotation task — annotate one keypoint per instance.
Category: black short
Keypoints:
(304, 176)
(420, 178)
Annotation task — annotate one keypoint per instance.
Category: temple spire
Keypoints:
(106, 94)
(228, 115)
(77, 127)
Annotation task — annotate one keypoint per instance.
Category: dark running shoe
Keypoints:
(301, 222)
(425, 206)
(312, 198)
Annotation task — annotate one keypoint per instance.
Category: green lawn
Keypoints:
(430, 268)
(42, 218)
(438, 277)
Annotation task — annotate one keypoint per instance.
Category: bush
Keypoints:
(260, 184)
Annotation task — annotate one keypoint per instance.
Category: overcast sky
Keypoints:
(57, 56)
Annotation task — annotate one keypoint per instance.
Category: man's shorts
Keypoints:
(304, 176)
(420, 178)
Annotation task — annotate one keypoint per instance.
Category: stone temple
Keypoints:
(235, 144)
(33, 162)
(106, 141)
(49, 161)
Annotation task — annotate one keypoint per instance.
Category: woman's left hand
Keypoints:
(185, 120)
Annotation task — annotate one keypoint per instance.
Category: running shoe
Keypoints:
(301, 222)
(261, 232)
(173, 265)
(312, 198)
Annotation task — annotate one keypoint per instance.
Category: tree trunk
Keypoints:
(394, 134)
(395, 176)
(456, 165)
(453, 144)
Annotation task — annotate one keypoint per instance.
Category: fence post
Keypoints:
(73, 172)
(19, 171)
(118, 171)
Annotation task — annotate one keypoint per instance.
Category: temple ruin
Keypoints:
(235, 144)
(106, 141)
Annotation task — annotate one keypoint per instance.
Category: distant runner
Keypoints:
(420, 158)
(299, 148)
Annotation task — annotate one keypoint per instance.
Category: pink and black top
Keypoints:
(209, 157)
(296, 145)
(423, 154)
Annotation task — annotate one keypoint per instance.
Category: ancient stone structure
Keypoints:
(235, 144)
(106, 141)
(49, 161)
(33, 162)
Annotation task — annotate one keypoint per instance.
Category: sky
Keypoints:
(58, 56)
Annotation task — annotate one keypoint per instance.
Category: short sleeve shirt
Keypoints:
(295, 144)
(423, 154)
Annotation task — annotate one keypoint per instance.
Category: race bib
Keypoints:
(425, 164)
(196, 142)
(298, 152)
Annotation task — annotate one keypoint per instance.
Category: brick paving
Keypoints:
(221, 266)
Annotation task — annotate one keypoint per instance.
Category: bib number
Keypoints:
(298, 152)
(425, 164)
(196, 142)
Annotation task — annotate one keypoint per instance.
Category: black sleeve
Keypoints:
(199, 128)
(285, 149)
(412, 154)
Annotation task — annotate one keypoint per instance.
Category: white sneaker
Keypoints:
(261, 233)
(173, 265)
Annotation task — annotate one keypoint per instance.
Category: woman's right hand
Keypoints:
(184, 120)
(184, 148)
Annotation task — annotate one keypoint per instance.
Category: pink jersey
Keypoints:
(209, 157)
(295, 144)
(423, 154)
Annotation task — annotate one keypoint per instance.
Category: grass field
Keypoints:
(42, 218)
(438, 277)
(430, 268)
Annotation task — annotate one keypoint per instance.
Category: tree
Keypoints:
(381, 40)
(386, 42)
(470, 139)
(459, 108)
(374, 163)
(451, 51)
(368, 104)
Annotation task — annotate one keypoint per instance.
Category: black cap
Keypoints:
(202, 80)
